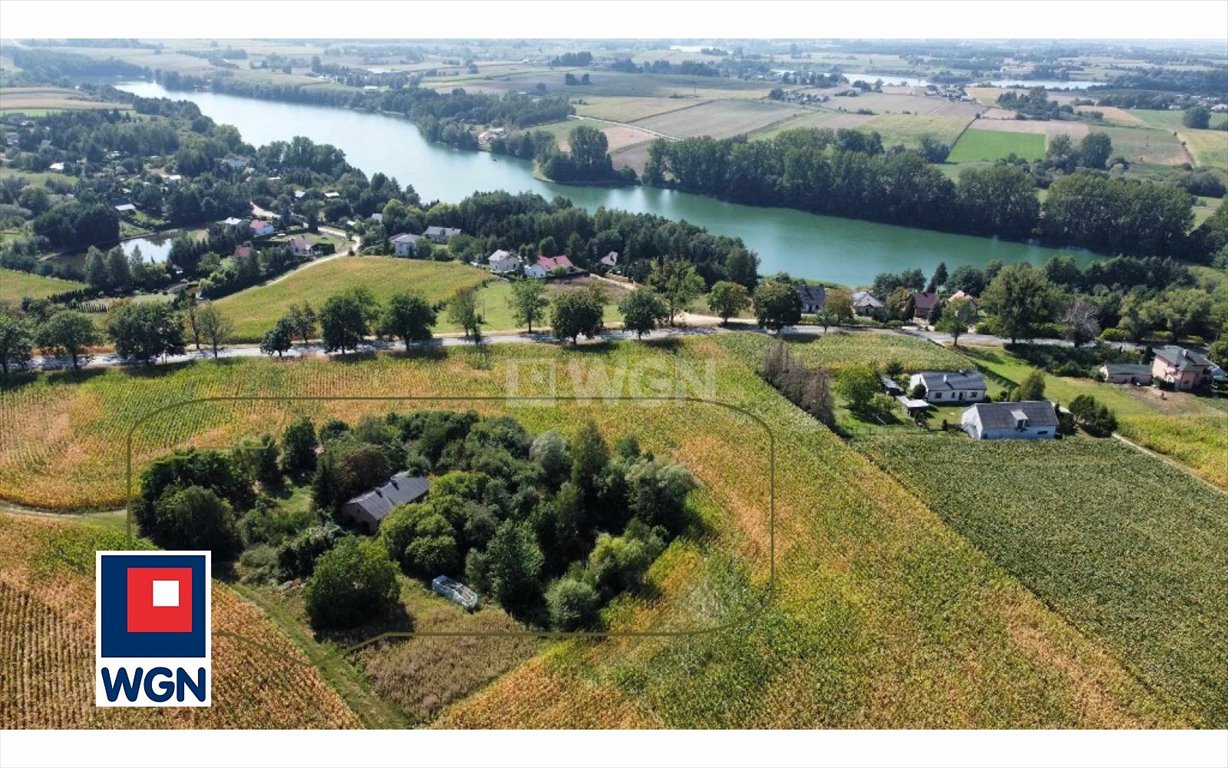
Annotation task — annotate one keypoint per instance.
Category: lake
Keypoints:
(155, 248)
(824, 248)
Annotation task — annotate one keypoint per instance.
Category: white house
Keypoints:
(535, 270)
(1126, 373)
(441, 235)
(1028, 420)
(260, 228)
(503, 262)
(950, 386)
(233, 222)
(404, 244)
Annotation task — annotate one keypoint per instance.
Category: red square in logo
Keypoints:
(159, 599)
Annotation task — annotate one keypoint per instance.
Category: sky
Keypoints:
(392, 19)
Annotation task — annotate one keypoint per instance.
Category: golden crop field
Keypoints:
(15, 286)
(47, 645)
(40, 99)
(719, 119)
(256, 310)
(880, 615)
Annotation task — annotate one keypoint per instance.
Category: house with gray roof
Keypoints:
(1126, 373)
(1180, 368)
(814, 298)
(368, 510)
(1028, 420)
(404, 244)
(866, 303)
(950, 386)
(441, 235)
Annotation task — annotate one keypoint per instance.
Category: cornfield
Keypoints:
(47, 646)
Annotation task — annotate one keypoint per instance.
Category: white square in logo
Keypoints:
(165, 594)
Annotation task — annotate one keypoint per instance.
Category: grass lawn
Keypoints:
(1124, 546)
(881, 614)
(977, 145)
(257, 309)
(15, 286)
(1181, 425)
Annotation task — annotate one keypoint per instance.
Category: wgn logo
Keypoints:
(153, 641)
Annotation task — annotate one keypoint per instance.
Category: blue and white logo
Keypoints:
(153, 642)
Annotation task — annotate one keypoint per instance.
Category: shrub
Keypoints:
(298, 447)
(1114, 334)
(196, 518)
(297, 557)
(353, 583)
(573, 604)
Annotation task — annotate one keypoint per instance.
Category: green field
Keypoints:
(984, 146)
(908, 129)
(15, 286)
(256, 310)
(1124, 546)
(837, 349)
(881, 615)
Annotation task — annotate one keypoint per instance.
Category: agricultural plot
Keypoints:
(619, 137)
(812, 118)
(47, 646)
(977, 145)
(838, 349)
(628, 109)
(15, 286)
(908, 129)
(718, 119)
(1209, 148)
(1146, 145)
(881, 616)
(1046, 128)
(256, 310)
(40, 100)
(1115, 115)
(1126, 547)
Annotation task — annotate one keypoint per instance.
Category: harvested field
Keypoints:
(908, 129)
(628, 109)
(1112, 114)
(39, 100)
(1146, 145)
(618, 136)
(719, 119)
(1046, 128)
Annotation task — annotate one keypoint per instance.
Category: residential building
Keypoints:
(552, 263)
(301, 246)
(503, 262)
(950, 386)
(961, 296)
(441, 235)
(233, 222)
(260, 228)
(1028, 420)
(243, 252)
(368, 510)
(814, 298)
(233, 163)
(1126, 373)
(405, 244)
(1180, 368)
(866, 303)
(923, 304)
(535, 271)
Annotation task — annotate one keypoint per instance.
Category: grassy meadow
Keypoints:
(15, 286)
(880, 616)
(983, 146)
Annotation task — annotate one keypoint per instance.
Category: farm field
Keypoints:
(619, 137)
(837, 349)
(16, 285)
(47, 645)
(986, 145)
(812, 118)
(1124, 546)
(1209, 148)
(1113, 114)
(256, 310)
(1181, 426)
(38, 101)
(1146, 145)
(628, 109)
(881, 615)
(1046, 128)
(718, 119)
(908, 129)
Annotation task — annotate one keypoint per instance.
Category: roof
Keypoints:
(863, 299)
(259, 224)
(550, 263)
(301, 243)
(1039, 413)
(400, 489)
(924, 300)
(1182, 358)
(610, 259)
(951, 380)
(961, 296)
(406, 238)
(445, 231)
(813, 294)
(242, 251)
(1128, 369)
(232, 222)
(500, 255)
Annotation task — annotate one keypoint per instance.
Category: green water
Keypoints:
(818, 247)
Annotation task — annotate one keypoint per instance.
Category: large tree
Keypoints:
(777, 305)
(353, 583)
(16, 341)
(727, 299)
(463, 312)
(528, 302)
(677, 282)
(216, 328)
(514, 563)
(408, 317)
(956, 316)
(642, 310)
(279, 339)
(68, 333)
(838, 308)
(146, 331)
(578, 312)
(1020, 298)
(1079, 321)
(345, 319)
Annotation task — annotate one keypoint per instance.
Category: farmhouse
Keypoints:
(368, 510)
(866, 303)
(404, 244)
(950, 386)
(1180, 368)
(1126, 373)
(441, 235)
(301, 246)
(547, 265)
(1028, 420)
(503, 262)
(814, 297)
(260, 228)
(923, 304)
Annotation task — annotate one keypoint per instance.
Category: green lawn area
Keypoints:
(15, 285)
(837, 349)
(1185, 427)
(1126, 547)
(977, 145)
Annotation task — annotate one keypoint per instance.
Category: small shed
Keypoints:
(913, 408)
(455, 591)
(890, 386)
(368, 510)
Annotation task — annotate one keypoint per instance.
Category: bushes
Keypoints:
(297, 557)
(572, 604)
(352, 583)
(1095, 418)
(196, 518)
